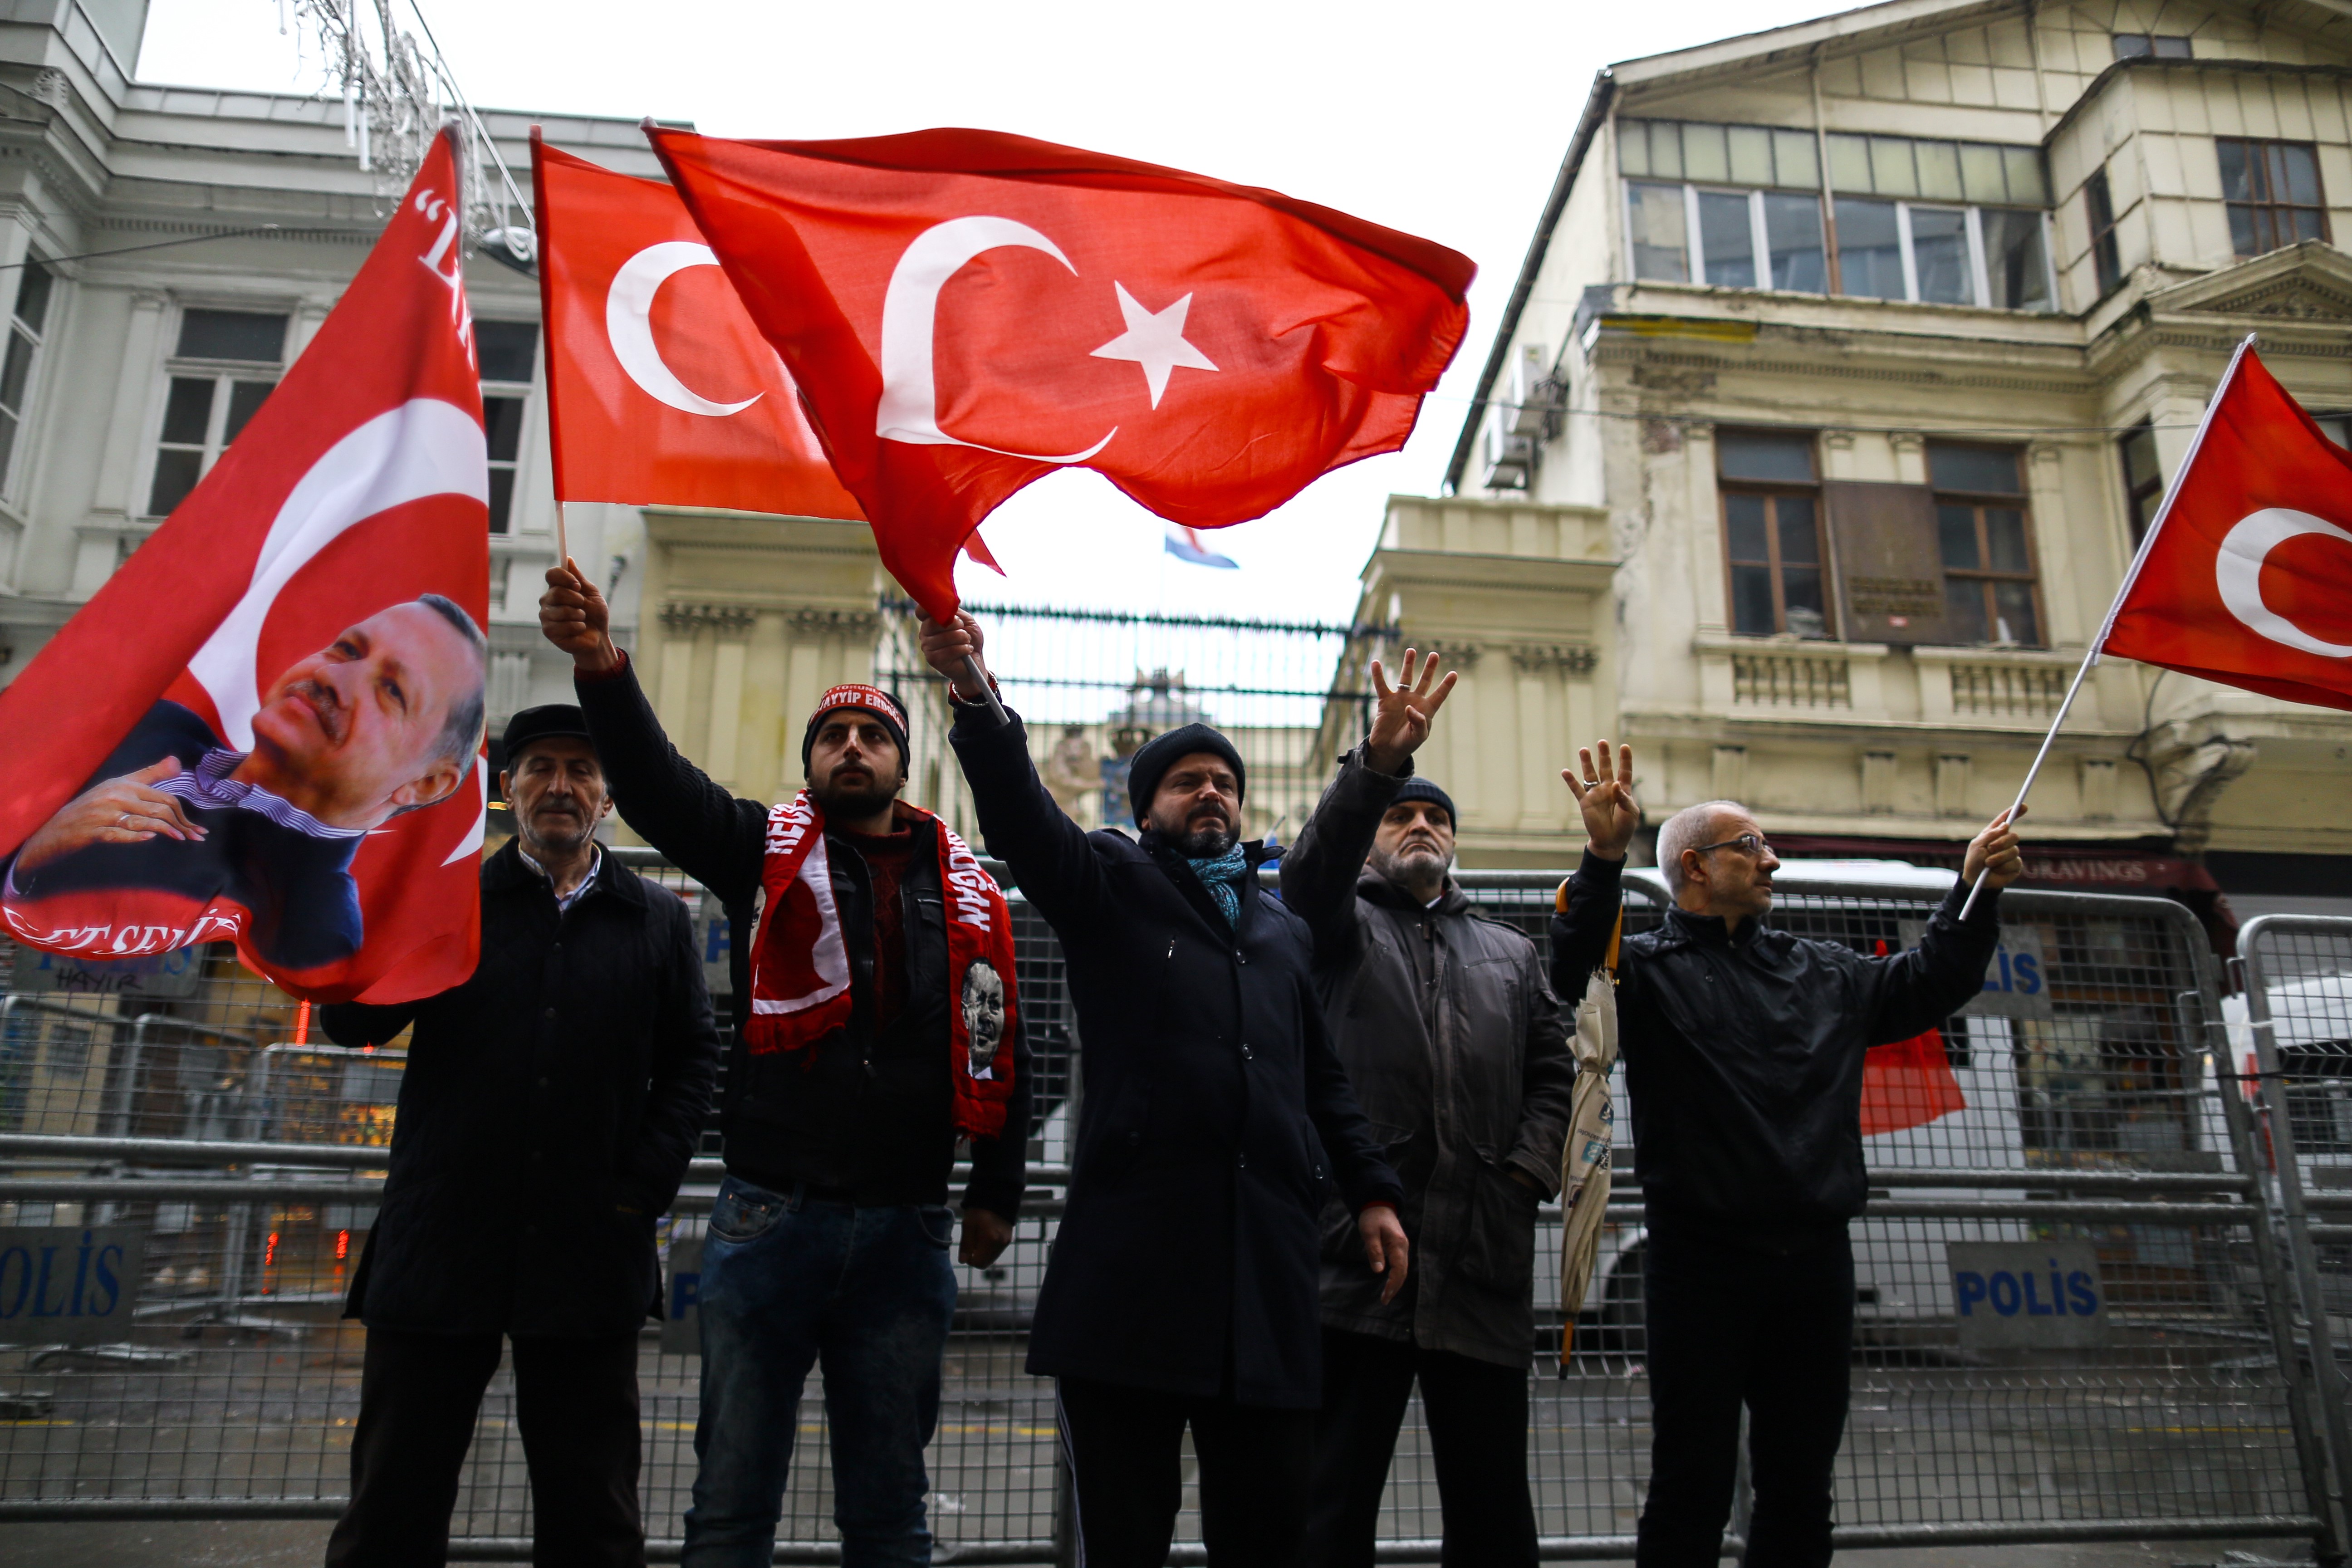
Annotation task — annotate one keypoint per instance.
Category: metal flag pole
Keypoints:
(987, 689)
(2139, 559)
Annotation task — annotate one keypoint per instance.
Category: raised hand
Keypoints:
(572, 615)
(954, 651)
(1605, 792)
(117, 811)
(1401, 714)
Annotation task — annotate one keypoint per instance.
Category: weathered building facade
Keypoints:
(1870, 342)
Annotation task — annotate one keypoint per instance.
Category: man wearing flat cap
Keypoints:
(547, 1113)
(1455, 1046)
(1182, 1291)
(878, 1026)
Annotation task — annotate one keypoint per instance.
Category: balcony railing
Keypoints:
(1964, 688)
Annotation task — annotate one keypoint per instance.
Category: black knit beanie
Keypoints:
(1419, 788)
(1162, 752)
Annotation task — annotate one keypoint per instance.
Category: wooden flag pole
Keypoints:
(2140, 558)
(562, 539)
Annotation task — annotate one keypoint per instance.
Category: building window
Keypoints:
(509, 352)
(222, 370)
(1772, 532)
(2143, 478)
(2273, 191)
(24, 330)
(1661, 244)
(2099, 208)
(1990, 593)
(1974, 237)
(2147, 45)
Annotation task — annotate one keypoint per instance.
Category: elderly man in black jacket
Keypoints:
(1744, 1052)
(1182, 1287)
(547, 1113)
(1453, 1042)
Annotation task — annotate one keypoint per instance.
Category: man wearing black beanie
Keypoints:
(1454, 1044)
(1181, 1287)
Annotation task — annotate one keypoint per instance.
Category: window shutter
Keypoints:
(1890, 570)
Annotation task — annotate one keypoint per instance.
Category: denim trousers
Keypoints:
(865, 1292)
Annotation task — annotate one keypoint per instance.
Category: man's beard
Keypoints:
(855, 802)
(1207, 843)
(1415, 865)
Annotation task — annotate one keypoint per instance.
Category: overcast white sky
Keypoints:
(1444, 123)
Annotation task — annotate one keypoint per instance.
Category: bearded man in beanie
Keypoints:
(1182, 1291)
(878, 1026)
(1454, 1041)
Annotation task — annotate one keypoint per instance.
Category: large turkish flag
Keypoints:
(967, 311)
(267, 724)
(2248, 577)
(660, 389)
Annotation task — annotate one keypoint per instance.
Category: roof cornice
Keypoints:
(1596, 109)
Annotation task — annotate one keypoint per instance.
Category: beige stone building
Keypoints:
(1861, 349)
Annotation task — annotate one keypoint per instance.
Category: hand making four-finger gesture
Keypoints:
(1401, 714)
(1604, 789)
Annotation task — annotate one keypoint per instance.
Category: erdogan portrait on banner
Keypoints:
(181, 831)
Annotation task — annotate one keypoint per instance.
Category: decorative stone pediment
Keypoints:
(2309, 282)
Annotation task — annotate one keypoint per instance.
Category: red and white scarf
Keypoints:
(800, 960)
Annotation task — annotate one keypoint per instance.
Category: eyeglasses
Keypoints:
(1746, 844)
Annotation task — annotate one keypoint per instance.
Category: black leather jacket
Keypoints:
(1744, 1051)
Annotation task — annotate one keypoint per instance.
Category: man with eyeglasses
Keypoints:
(1744, 1053)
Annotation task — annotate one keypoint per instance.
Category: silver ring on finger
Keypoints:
(122, 821)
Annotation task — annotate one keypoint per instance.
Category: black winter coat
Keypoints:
(547, 1114)
(1186, 1260)
(1454, 1045)
(1744, 1052)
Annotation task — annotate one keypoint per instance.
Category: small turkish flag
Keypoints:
(1908, 1084)
(967, 311)
(267, 724)
(660, 390)
(2247, 575)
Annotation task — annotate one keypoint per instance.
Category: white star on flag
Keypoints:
(1155, 341)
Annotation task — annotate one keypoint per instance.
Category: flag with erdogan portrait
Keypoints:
(267, 727)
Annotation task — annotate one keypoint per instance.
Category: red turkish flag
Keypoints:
(2247, 577)
(967, 311)
(267, 724)
(660, 390)
(1908, 1084)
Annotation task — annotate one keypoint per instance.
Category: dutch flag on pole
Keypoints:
(1184, 543)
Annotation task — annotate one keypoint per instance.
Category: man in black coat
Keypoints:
(547, 1114)
(1744, 1051)
(1453, 1042)
(1182, 1284)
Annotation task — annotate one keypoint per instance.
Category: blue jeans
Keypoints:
(788, 1282)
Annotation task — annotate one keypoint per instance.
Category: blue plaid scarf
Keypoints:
(1222, 876)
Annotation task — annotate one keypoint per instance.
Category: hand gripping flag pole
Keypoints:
(2123, 592)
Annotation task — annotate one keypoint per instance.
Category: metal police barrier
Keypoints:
(2076, 1313)
(2292, 1032)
